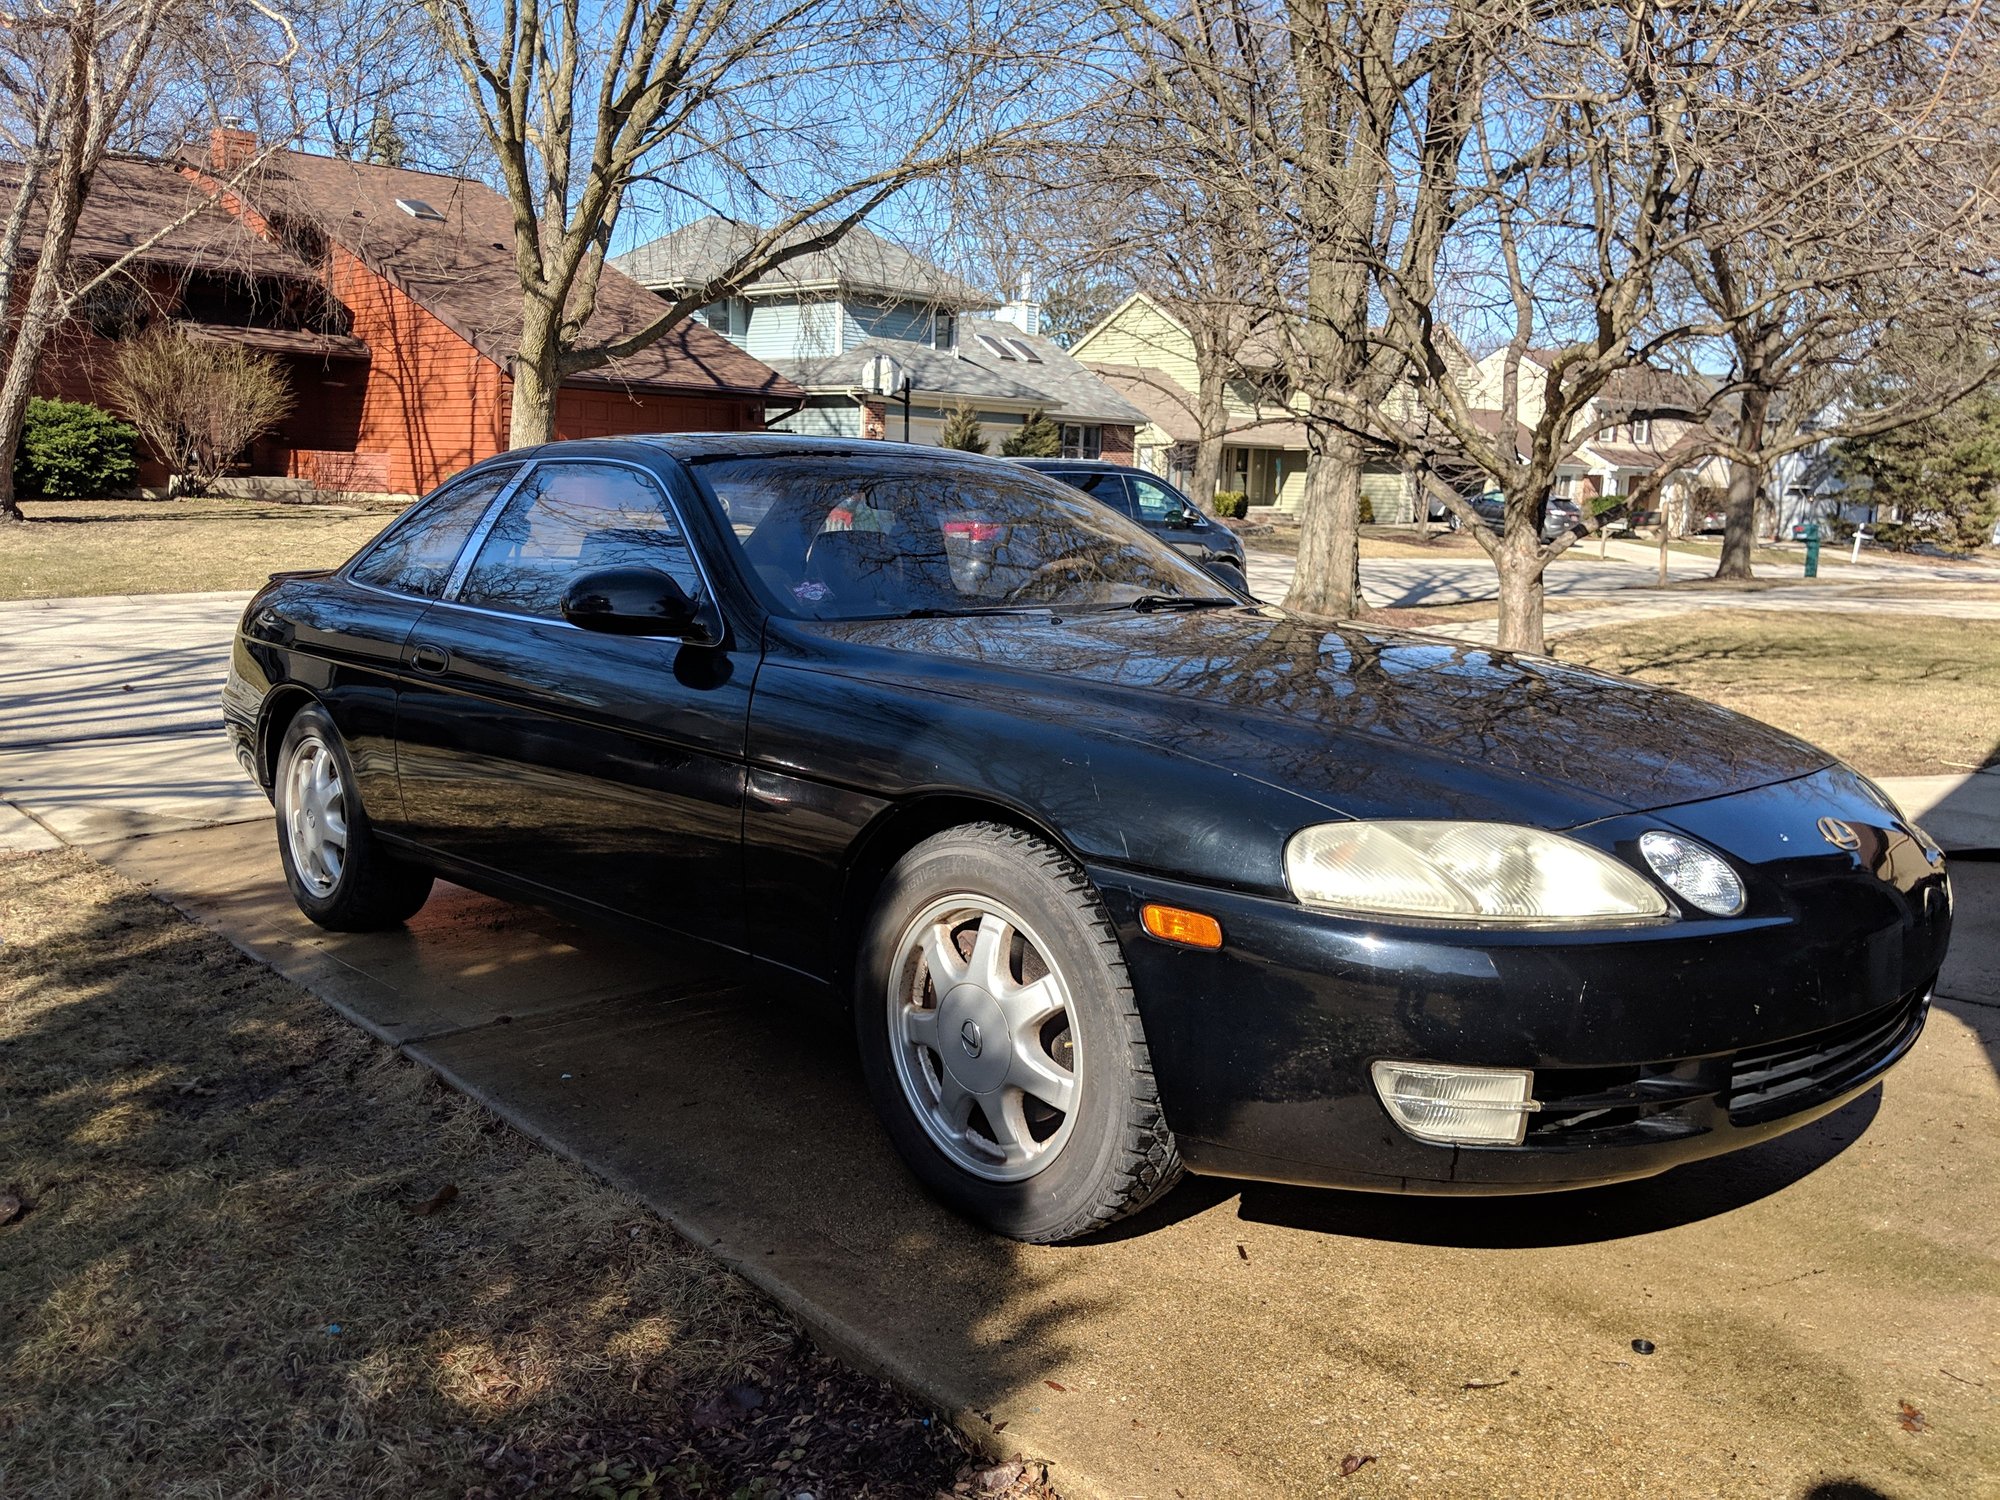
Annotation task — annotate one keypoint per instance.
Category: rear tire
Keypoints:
(339, 874)
(1001, 1042)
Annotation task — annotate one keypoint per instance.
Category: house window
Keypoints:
(730, 317)
(1081, 442)
(1642, 429)
(944, 331)
(1565, 486)
(1023, 351)
(994, 347)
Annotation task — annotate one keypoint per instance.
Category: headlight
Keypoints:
(1465, 872)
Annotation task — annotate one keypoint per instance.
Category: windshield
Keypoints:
(842, 536)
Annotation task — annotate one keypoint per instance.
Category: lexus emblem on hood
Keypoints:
(1839, 834)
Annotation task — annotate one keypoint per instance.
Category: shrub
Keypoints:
(71, 449)
(1897, 536)
(1038, 437)
(961, 430)
(1367, 512)
(199, 404)
(1232, 505)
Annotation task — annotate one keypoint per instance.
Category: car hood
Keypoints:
(1369, 722)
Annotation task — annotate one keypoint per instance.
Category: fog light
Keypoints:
(1697, 875)
(1457, 1106)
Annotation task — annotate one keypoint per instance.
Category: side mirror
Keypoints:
(630, 601)
(1184, 520)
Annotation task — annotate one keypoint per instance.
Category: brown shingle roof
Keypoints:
(460, 268)
(131, 199)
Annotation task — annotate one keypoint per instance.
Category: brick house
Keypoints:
(390, 298)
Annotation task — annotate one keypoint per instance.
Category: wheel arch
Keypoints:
(895, 831)
(281, 705)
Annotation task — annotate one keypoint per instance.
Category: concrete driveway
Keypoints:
(1238, 1340)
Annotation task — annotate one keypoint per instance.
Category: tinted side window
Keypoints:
(1110, 488)
(417, 553)
(1156, 503)
(570, 518)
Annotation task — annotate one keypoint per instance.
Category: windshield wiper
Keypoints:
(1146, 603)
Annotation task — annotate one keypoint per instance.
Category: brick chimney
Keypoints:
(230, 148)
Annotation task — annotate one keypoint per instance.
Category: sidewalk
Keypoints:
(1961, 812)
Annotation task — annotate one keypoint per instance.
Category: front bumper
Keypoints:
(1650, 1046)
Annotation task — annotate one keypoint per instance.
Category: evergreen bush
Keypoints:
(71, 449)
(1038, 437)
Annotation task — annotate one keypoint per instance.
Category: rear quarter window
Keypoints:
(417, 553)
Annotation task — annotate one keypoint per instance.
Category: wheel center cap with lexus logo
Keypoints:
(1839, 834)
(969, 1035)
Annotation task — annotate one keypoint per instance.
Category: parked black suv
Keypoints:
(1159, 507)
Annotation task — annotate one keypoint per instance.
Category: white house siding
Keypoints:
(861, 321)
(1388, 490)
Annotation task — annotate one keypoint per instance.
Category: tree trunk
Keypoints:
(1212, 418)
(1328, 578)
(24, 358)
(41, 315)
(1746, 483)
(537, 378)
(1520, 573)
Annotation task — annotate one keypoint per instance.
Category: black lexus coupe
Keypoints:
(1119, 872)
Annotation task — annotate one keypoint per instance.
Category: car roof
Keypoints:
(1078, 463)
(698, 446)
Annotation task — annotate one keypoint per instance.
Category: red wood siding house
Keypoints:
(391, 298)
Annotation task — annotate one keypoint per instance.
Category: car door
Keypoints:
(1166, 513)
(607, 768)
(350, 641)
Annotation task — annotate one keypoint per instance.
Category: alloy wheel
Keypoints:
(316, 815)
(982, 1030)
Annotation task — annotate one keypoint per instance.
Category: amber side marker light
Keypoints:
(1173, 924)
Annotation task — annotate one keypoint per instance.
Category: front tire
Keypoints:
(339, 875)
(1001, 1041)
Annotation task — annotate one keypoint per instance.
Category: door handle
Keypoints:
(431, 659)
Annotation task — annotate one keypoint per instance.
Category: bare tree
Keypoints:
(767, 109)
(1846, 206)
(1315, 113)
(1576, 193)
(76, 77)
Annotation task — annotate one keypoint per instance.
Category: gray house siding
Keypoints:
(839, 419)
(862, 321)
(793, 330)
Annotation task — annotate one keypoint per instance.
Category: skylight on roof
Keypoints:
(1024, 351)
(416, 208)
(995, 347)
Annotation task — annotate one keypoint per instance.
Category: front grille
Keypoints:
(1593, 1106)
(1767, 1082)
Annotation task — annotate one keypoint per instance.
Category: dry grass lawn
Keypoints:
(81, 547)
(1893, 696)
(245, 1250)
